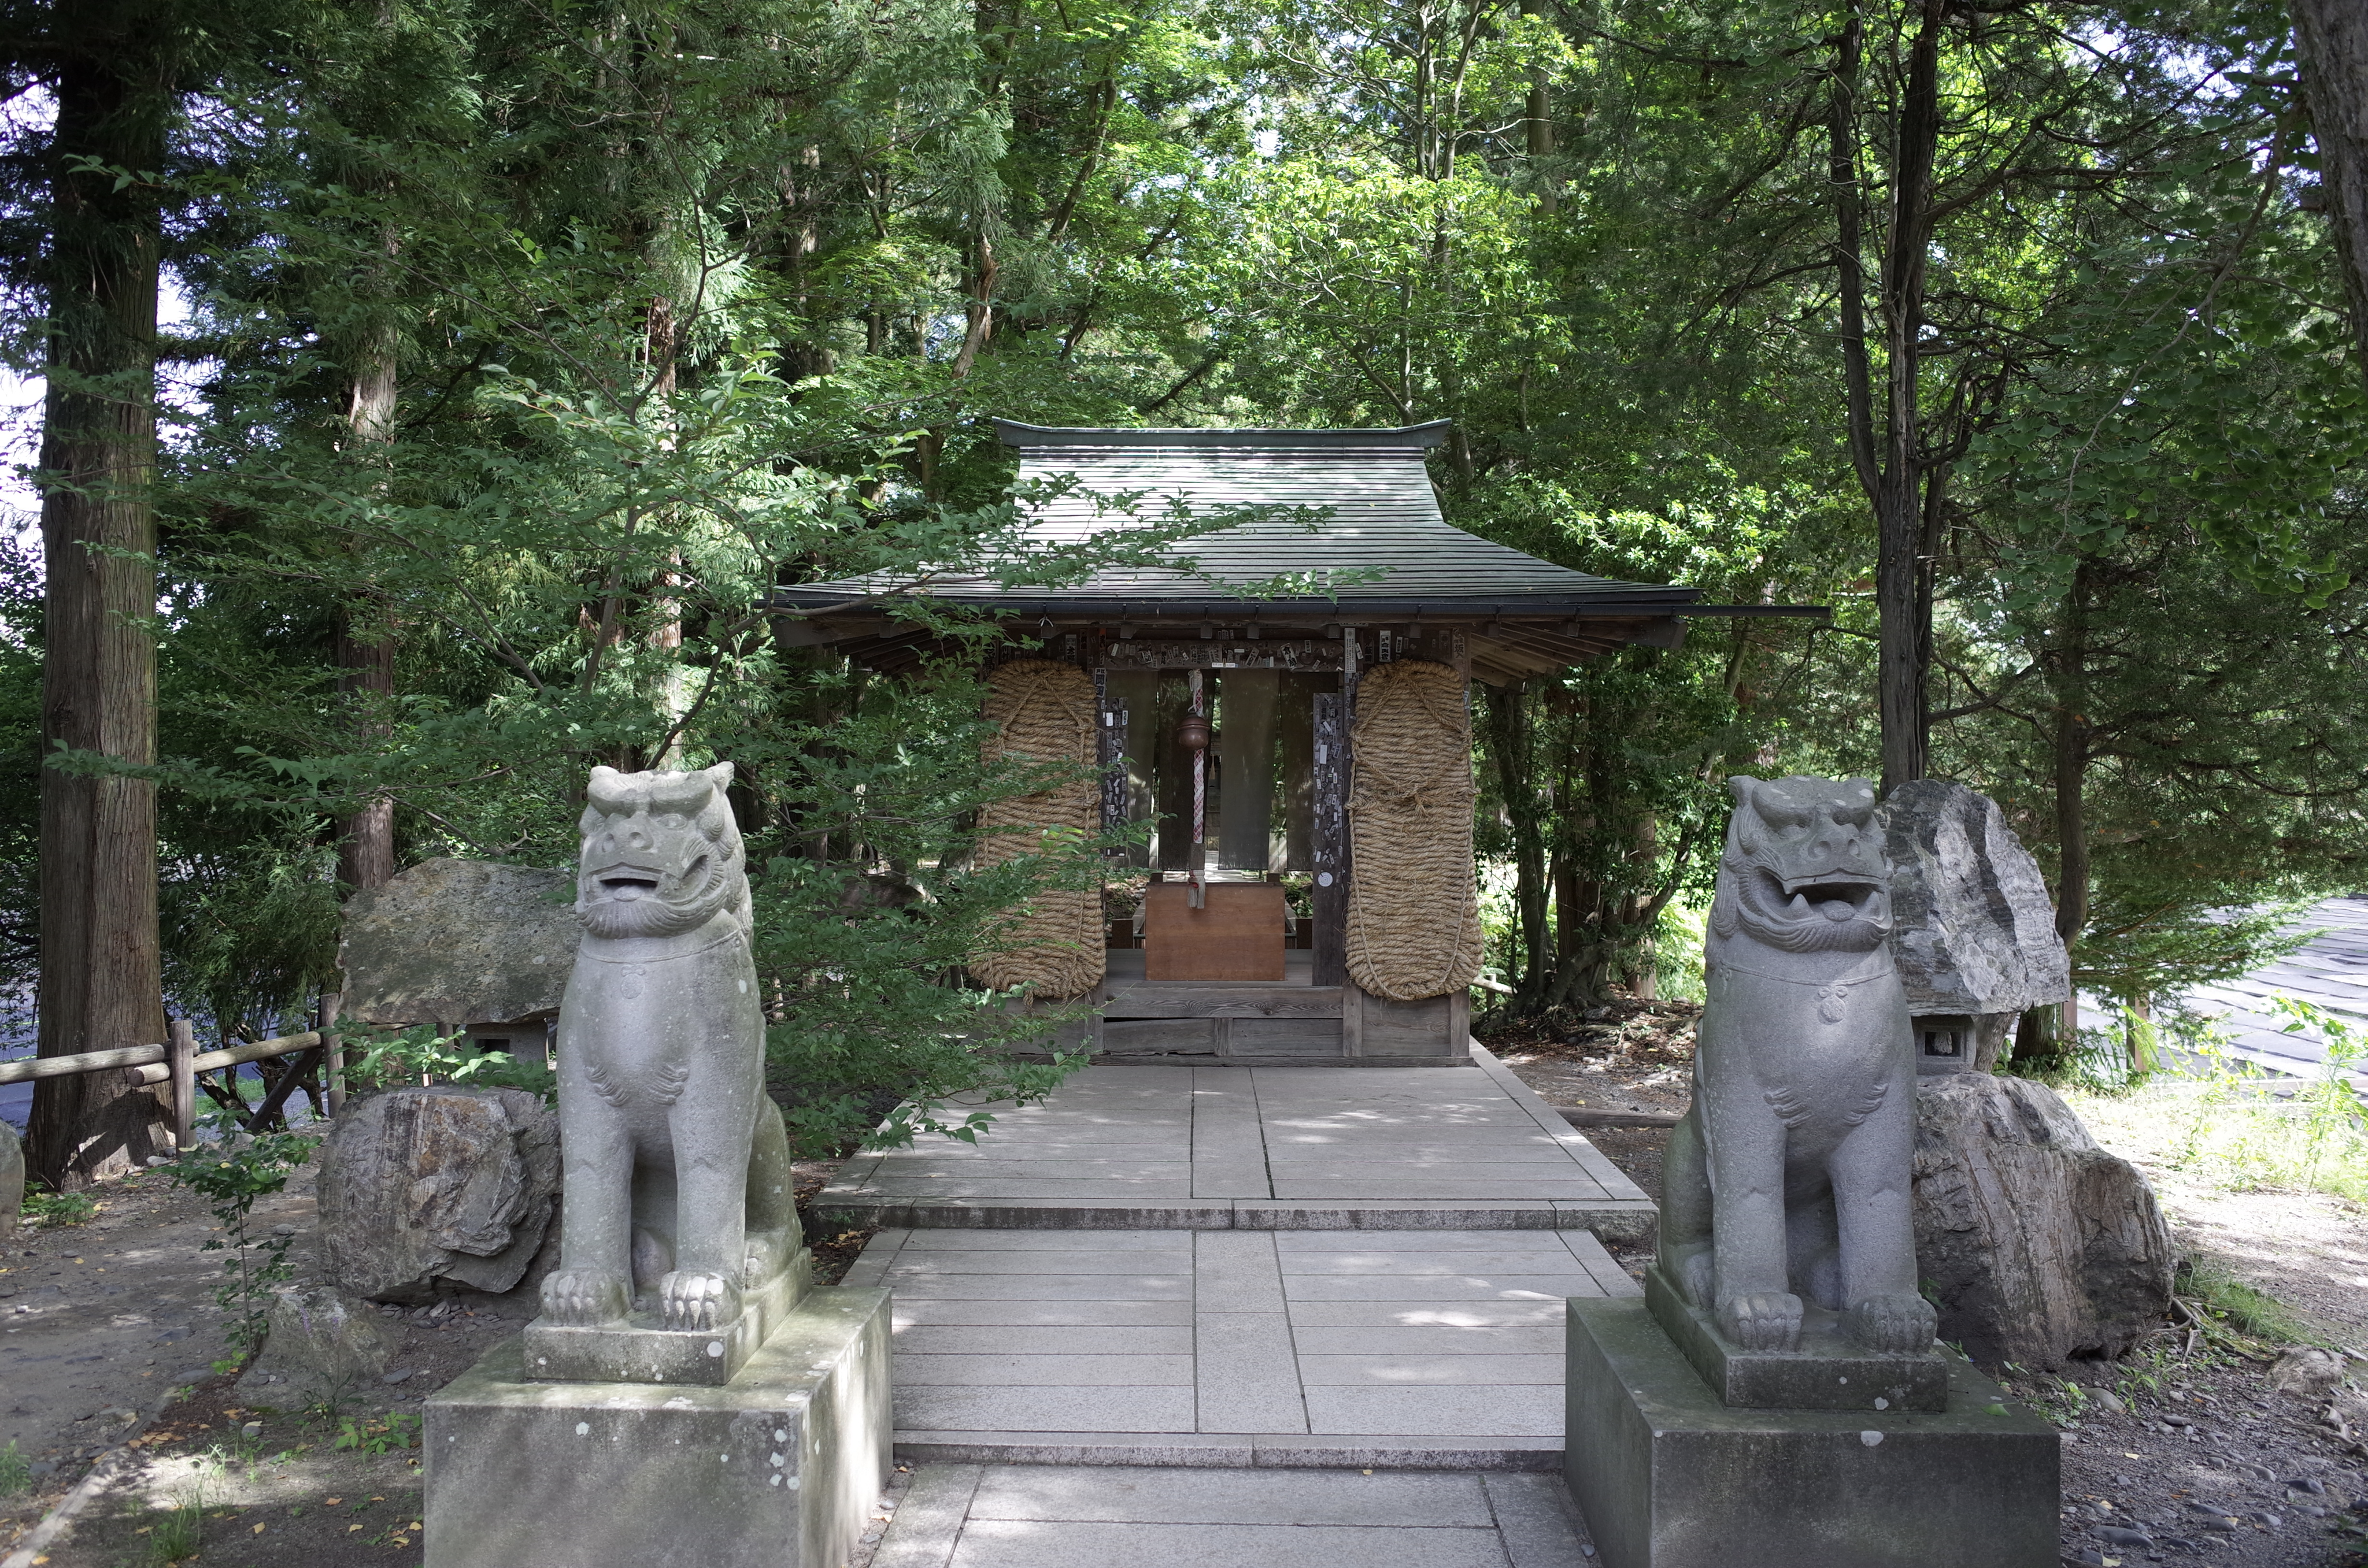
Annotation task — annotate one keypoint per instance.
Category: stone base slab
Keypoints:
(1670, 1477)
(1231, 1450)
(778, 1469)
(1611, 1219)
(1830, 1372)
(639, 1351)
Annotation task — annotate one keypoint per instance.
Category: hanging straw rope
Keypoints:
(1413, 911)
(1053, 943)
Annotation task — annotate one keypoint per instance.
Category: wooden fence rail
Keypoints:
(177, 1061)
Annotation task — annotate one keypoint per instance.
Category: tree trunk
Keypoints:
(365, 645)
(1509, 741)
(2332, 37)
(101, 984)
(2072, 761)
(1890, 462)
(1539, 113)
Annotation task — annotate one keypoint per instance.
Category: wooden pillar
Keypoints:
(181, 1080)
(1329, 842)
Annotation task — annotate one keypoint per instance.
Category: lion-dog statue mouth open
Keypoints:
(1789, 1176)
(677, 1193)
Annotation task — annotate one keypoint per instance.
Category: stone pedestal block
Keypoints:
(639, 1351)
(1670, 1477)
(778, 1469)
(1830, 1372)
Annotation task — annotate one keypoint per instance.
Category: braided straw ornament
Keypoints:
(1414, 909)
(1053, 943)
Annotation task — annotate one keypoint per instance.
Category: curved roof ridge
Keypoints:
(1402, 437)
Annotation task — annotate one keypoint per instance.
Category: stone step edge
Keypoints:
(1613, 1219)
(1227, 1450)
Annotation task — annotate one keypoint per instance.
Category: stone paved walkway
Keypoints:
(959, 1515)
(1258, 1147)
(1223, 1316)
(1435, 1348)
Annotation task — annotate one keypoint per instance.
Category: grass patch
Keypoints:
(15, 1472)
(2225, 1308)
(48, 1210)
(179, 1534)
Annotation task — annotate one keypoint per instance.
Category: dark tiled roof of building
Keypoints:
(1382, 514)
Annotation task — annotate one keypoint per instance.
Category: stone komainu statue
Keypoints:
(1790, 1175)
(677, 1192)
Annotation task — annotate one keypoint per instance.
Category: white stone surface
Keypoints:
(1217, 1148)
(971, 1515)
(1350, 1334)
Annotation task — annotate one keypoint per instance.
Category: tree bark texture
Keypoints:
(365, 645)
(1890, 459)
(1509, 742)
(2333, 40)
(101, 984)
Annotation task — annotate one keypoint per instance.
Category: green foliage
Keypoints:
(379, 1434)
(179, 1533)
(392, 1057)
(2219, 1121)
(709, 300)
(16, 1470)
(231, 1175)
(2227, 1309)
(53, 1211)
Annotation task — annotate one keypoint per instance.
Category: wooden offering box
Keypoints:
(1238, 936)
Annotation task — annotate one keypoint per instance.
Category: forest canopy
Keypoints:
(527, 346)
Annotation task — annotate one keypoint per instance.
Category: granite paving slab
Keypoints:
(1000, 1515)
(1266, 1338)
(1219, 1148)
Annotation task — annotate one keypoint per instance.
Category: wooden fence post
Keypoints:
(333, 1052)
(181, 1079)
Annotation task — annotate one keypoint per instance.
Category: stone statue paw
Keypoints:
(1697, 1275)
(1898, 1325)
(1762, 1320)
(580, 1298)
(693, 1298)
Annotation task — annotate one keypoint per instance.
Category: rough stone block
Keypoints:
(1670, 1477)
(2040, 1246)
(424, 1191)
(640, 1351)
(459, 942)
(1974, 930)
(778, 1469)
(1827, 1372)
(322, 1345)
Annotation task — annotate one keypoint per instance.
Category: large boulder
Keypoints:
(425, 1191)
(459, 942)
(12, 1179)
(2037, 1246)
(323, 1346)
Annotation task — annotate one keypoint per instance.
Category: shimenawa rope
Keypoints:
(1414, 910)
(1053, 943)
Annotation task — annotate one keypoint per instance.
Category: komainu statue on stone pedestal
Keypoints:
(676, 1186)
(1789, 1178)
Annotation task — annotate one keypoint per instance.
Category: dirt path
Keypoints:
(101, 1322)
